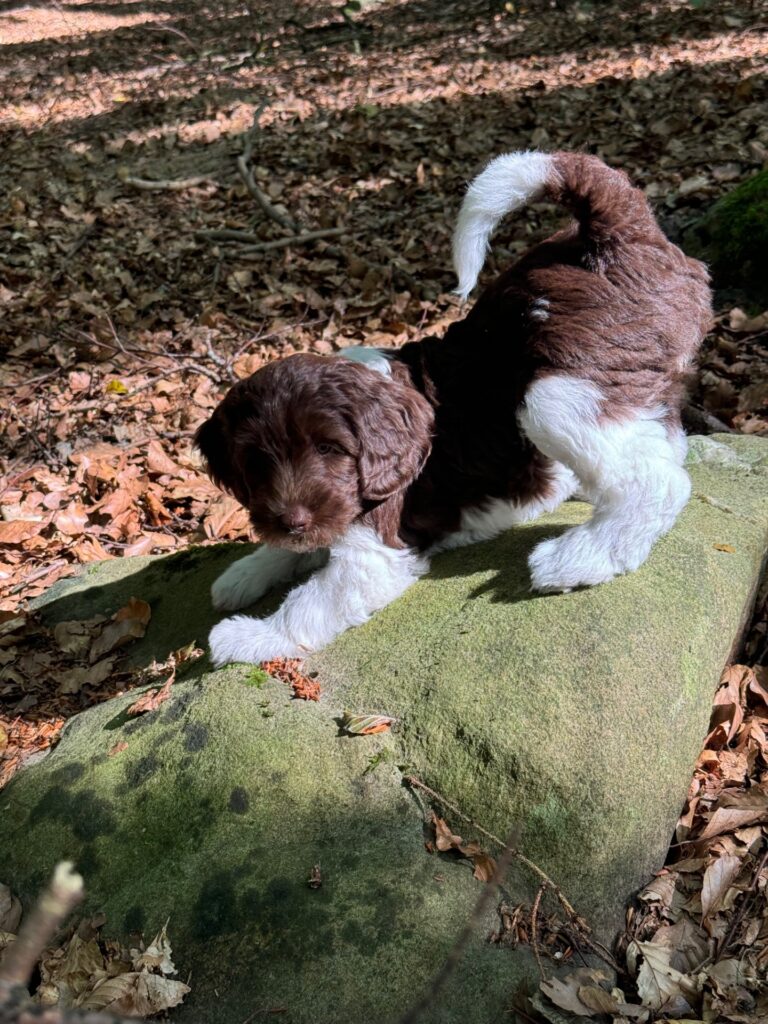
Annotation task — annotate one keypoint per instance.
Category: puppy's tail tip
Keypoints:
(507, 183)
(603, 200)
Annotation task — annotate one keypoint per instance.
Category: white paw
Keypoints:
(250, 640)
(572, 560)
(237, 587)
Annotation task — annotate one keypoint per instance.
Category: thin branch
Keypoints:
(535, 930)
(457, 950)
(167, 184)
(227, 235)
(245, 173)
(308, 236)
(413, 781)
(48, 915)
(742, 908)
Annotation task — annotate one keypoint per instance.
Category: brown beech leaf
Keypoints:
(118, 748)
(159, 463)
(662, 986)
(72, 520)
(129, 623)
(19, 530)
(485, 866)
(135, 994)
(444, 838)
(564, 992)
(720, 874)
(152, 699)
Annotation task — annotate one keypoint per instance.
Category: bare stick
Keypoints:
(167, 184)
(457, 950)
(227, 235)
(412, 781)
(742, 909)
(261, 198)
(535, 930)
(56, 904)
(244, 170)
(308, 236)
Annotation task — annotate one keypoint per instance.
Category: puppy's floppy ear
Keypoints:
(214, 441)
(394, 430)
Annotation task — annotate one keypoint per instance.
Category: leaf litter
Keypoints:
(48, 674)
(695, 946)
(89, 973)
(118, 339)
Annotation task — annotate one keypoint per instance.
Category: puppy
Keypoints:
(567, 375)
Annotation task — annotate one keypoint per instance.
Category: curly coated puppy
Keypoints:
(567, 374)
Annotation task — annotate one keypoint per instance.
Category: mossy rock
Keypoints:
(573, 719)
(732, 237)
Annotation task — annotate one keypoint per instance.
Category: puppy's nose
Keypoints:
(296, 519)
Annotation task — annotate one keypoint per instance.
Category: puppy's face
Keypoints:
(308, 444)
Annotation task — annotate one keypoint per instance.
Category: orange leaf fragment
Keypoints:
(288, 670)
(117, 749)
(152, 699)
(728, 548)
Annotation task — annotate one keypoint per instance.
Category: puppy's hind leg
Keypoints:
(249, 578)
(629, 469)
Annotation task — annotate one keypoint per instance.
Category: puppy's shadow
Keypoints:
(505, 558)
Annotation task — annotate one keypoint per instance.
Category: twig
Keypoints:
(61, 897)
(75, 248)
(250, 183)
(413, 781)
(535, 930)
(41, 571)
(308, 236)
(457, 950)
(176, 32)
(227, 235)
(167, 184)
(578, 923)
(742, 909)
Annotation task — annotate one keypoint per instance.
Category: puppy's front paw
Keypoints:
(237, 587)
(571, 560)
(250, 640)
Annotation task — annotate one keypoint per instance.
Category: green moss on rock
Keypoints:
(574, 719)
(732, 237)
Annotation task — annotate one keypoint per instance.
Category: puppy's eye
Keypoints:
(329, 448)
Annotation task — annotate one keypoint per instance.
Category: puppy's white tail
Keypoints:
(609, 209)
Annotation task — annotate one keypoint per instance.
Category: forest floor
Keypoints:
(142, 269)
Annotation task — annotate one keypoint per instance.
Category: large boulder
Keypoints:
(573, 719)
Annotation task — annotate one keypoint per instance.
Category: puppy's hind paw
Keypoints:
(571, 560)
(248, 640)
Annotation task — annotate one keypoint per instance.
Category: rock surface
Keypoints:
(575, 718)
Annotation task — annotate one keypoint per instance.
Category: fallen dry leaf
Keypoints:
(10, 910)
(118, 748)
(135, 994)
(720, 874)
(366, 725)
(152, 699)
(129, 623)
(288, 670)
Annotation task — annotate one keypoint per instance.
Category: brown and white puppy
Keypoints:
(566, 375)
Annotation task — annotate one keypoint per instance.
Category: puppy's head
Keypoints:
(308, 444)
